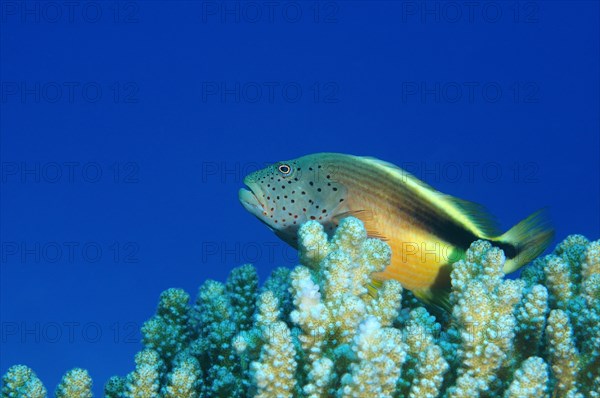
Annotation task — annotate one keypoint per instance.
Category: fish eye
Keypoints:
(284, 169)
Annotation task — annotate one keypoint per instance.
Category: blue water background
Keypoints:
(127, 127)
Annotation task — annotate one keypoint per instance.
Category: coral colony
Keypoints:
(320, 330)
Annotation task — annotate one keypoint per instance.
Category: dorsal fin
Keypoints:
(472, 215)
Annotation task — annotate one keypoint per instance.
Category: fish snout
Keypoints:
(250, 198)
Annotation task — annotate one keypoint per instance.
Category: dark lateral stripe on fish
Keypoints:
(432, 218)
(409, 202)
(510, 250)
(427, 214)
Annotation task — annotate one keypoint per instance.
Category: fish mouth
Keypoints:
(249, 199)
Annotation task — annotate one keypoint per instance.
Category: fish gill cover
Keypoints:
(316, 331)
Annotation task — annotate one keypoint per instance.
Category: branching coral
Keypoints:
(572, 276)
(324, 329)
(380, 352)
(77, 383)
(425, 365)
(20, 381)
(530, 380)
(483, 306)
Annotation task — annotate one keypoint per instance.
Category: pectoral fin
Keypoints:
(368, 219)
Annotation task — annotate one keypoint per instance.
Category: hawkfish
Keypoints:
(426, 230)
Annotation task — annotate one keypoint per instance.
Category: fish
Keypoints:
(427, 230)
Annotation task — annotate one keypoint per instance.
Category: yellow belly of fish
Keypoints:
(417, 256)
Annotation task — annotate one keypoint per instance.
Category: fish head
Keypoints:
(288, 193)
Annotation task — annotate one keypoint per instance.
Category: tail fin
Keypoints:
(526, 240)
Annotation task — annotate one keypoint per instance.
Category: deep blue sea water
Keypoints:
(128, 126)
